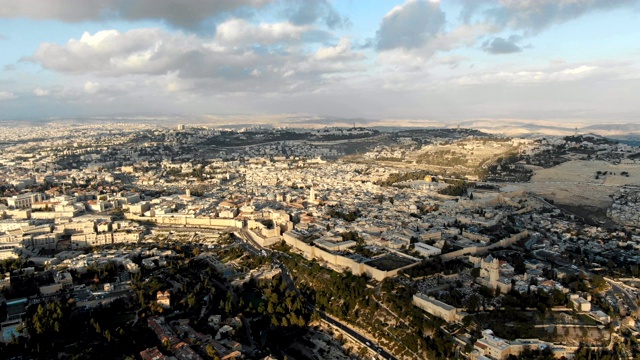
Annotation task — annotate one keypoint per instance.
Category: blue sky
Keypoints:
(560, 60)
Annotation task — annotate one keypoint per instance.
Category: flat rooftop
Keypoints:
(389, 262)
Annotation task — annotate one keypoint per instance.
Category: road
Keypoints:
(356, 335)
(629, 298)
(248, 244)
(105, 299)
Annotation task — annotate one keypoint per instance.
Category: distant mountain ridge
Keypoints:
(548, 128)
(615, 127)
(507, 127)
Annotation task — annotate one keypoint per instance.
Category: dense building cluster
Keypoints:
(83, 215)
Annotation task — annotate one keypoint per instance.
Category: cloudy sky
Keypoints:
(447, 60)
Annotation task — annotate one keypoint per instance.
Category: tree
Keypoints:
(228, 306)
(166, 344)
(212, 352)
(472, 303)
(191, 300)
(598, 282)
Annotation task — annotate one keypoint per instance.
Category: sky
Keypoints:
(448, 60)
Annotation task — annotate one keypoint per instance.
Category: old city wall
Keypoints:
(479, 250)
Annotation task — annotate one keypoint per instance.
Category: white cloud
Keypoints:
(91, 87)
(171, 82)
(236, 50)
(410, 25)
(99, 38)
(412, 33)
(531, 76)
(113, 53)
(342, 51)
(239, 31)
(401, 59)
(242, 57)
(40, 92)
(7, 95)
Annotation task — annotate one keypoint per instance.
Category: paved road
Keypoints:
(356, 335)
(629, 298)
(247, 243)
(106, 298)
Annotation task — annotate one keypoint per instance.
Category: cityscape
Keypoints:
(356, 242)
(322, 179)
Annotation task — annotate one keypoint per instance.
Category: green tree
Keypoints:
(598, 282)
(472, 303)
(191, 300)
(212, 352)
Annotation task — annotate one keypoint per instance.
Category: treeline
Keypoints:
(618, 352)
(8, 265)
(455, 188)
(399, 298)
(283, 307)
(445, 158)
(435, 266)
(348, 216)
(590, 139)
(347, 297)
(400, 177)
(60, 326)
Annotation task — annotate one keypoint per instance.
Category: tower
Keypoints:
(494, 270)
(490, 269)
